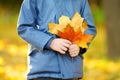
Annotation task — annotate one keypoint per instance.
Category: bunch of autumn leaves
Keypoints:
(72, 30)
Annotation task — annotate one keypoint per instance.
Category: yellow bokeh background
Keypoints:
(13, 53)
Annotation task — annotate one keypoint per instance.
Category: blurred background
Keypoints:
(101, 61)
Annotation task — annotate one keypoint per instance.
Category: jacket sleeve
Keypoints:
(27, 27)
(86, 14)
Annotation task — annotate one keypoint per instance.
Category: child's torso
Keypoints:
(50, 11)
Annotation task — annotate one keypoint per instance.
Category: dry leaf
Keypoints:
(76, 21)
(72, 30)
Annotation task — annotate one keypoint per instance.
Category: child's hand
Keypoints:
(74, 50)
(60, 45)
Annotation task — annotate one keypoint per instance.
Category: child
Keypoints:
(49, 57)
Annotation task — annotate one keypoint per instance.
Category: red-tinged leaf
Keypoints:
(84, 26)
(85, 38)
(62, 35)
(72, 30)
(77, 36)
(68, 33)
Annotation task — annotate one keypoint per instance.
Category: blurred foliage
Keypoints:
(96, 2)
(10, 4)
(98, 15)
(13, 50)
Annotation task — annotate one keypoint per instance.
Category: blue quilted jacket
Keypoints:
(33, 28)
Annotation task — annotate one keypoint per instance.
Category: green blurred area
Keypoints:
(13, 50)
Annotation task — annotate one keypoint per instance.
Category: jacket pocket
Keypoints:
(78, 65)
(45, 61)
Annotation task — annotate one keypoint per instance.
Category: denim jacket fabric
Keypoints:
(33, 28)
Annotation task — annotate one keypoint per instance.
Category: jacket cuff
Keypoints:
(47, 46)
(83, 50)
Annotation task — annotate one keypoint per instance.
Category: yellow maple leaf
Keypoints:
(64, 20)
(85, 38)
(84, 26)
(53, 28)
(72, 30)
(76, 21)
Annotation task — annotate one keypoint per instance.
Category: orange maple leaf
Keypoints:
(72, 30)
(84, 39)
(68, 33)
(76, 37)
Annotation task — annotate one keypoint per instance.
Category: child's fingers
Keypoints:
(61, 51)
(73, 49)
(66, 45)
(73, 54)
(64, 48)
(73, 46)
(67, 42)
